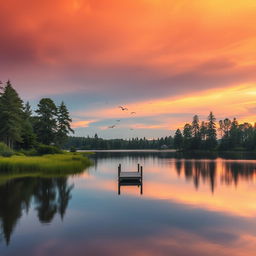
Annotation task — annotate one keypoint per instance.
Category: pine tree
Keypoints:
(27, 131)
(203, 130)
(63, 124)
(195, 126)
(211, 139)
(196, 140)
(11, 114)
(46, 121)
(178, 139)
(187, 135)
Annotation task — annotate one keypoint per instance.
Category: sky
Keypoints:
(166, 60)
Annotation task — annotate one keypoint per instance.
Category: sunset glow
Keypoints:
(165, 60)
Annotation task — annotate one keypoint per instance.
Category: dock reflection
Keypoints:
(130, 183)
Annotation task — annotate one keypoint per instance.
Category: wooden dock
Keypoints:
(134, 178)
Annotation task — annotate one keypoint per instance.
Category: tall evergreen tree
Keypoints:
(203, 130)
(211, 139)
(178, 139)
(187, 136)
(63, 124)
(195, 126)
(27, 131)
(196, 140)
(11, 114)
(46, 123)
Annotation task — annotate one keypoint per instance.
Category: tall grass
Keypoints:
(58, 164)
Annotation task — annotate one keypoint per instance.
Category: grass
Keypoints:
(58, 164)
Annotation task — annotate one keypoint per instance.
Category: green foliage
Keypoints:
(19, 129)
(187, 136)
(63, 124)
(27, 131)
(47, 149)
(46, 123)
(211, 133)
(73, 149)
(48, 164)
(11, 110)
(28, 152)
(95, 142)
(178, 139)
(5, 150)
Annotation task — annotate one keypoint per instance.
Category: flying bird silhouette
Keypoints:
(123, 108)
(112, 126)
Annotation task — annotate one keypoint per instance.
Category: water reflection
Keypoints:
(51, 196)
(126, 184)
(206, 204)
(229, 172)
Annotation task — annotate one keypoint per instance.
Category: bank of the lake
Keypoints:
(66, 163)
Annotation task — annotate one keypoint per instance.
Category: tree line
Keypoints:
(95, 142)
(204, 135)
(20, 129)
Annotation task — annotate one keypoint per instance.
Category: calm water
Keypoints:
(188, 207)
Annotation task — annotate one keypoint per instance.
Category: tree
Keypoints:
(46, 123)
(11, 114)
(211, 138)
(27, 131)
(63, 124)
(178, 139)
(195, 126)
(187, 135)
(196, 140)
(234, 134)
(203, 130)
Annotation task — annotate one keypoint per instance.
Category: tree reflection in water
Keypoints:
(230, 172)
(51, 196)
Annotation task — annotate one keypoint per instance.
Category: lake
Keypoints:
(187, 205)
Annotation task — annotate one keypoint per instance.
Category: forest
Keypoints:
(87, 143)
(223, 136)
(21, 130)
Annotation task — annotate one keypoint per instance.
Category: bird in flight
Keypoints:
(112, 126)
(133, 113)
(123, 108)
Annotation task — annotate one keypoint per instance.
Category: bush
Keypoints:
(47, 149)
(28, 152)
(73, 149)
(5, 150)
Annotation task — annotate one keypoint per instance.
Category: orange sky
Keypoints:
(167, 60)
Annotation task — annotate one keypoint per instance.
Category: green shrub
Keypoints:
(28, 152)
(73, 149)
(47, 149)
(5, 150)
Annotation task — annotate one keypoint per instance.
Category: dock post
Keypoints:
(119, 171)
(138, 167)
(119, 189)
(141, 180)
